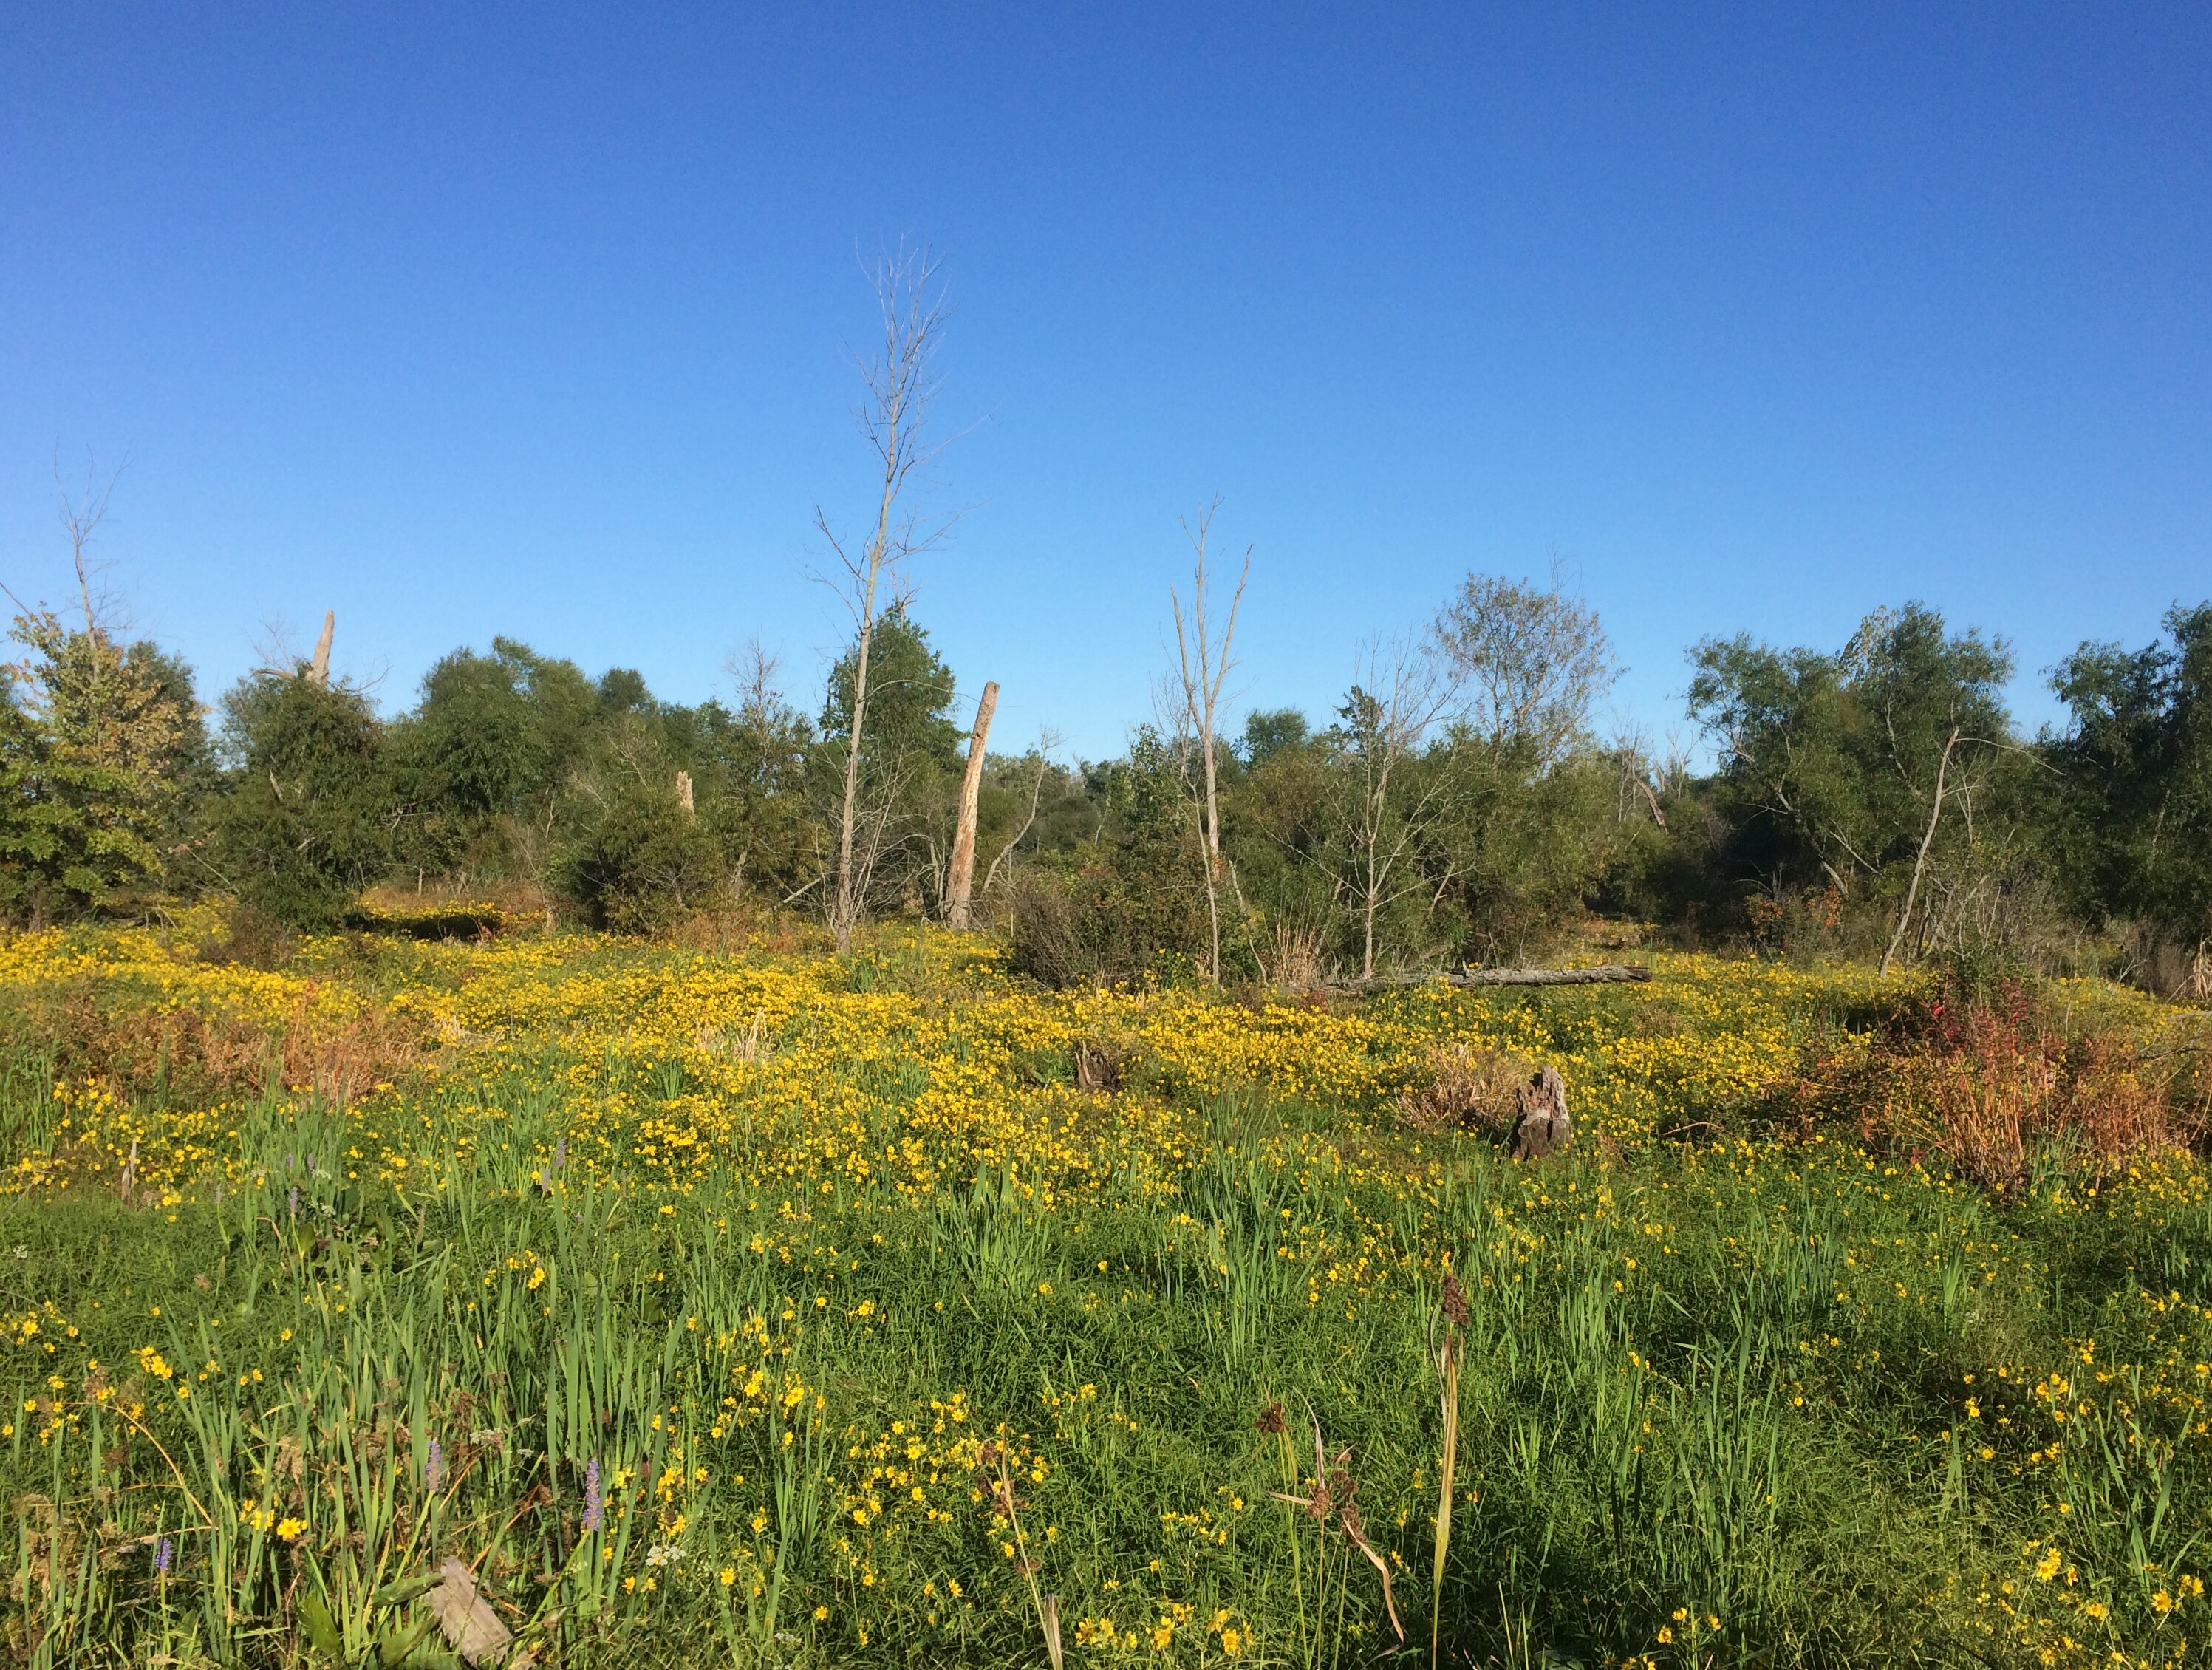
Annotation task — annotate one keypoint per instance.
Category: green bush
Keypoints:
(306, 823)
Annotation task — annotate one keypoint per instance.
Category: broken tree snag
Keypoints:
(319, 670)
(962, 881)
(683, 790)
(1543, 1127)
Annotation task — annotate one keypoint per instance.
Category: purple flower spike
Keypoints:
(292, 1199)
(165, 1553)
(595, 1504)
(434, 1468)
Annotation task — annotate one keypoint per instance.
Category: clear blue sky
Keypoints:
(467, 319)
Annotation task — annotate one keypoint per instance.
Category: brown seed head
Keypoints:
(1271, 1420)
(1453, 1301)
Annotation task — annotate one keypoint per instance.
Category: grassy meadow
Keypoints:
(726, 1301)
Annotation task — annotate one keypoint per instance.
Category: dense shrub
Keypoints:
(638, 860)
(1111, 919)
(306, 823)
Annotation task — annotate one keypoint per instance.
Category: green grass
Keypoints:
(1756, 1440)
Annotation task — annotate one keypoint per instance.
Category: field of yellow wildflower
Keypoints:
(629, 1304)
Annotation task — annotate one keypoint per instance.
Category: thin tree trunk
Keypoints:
(1202, 667)
(962, 880)
(848, 907)
(1920, 863)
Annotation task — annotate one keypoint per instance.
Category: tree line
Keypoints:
(1457, 805)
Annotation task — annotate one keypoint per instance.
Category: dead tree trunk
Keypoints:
(319, 670)
(1543, 1128)
(962, 880)
(1920, 863)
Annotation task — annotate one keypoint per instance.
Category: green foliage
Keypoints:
(2133, 813)
(910, 764)
(633, 857)
(1829, 763)
(480, 765)
(307, 822)
(1121, 902)
(749, 773)
(909, 701)
(98, 742)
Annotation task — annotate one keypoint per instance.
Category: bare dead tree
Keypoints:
(963, 838)
(81, 518)
(1205, 657)
(754, 669)
(1532, 661)
(899, 382)
(1927, 841)
(1400, 691)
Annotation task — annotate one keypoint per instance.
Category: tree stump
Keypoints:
(1543, 1127)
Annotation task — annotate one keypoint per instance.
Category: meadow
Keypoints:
(726, 1300)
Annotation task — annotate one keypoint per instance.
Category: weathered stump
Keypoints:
(1543, 1127)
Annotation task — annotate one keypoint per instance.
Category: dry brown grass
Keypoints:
(1295, 962)
(1989, 1084)
(1462, 1088)
(183, 1051)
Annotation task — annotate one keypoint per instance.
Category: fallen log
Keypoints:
(1604, 974)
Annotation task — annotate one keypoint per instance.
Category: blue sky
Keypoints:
(470, 320)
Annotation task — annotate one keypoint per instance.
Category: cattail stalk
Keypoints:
(1450, 1354)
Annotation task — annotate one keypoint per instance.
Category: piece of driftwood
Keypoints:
(1604, 974)
(472, 1628)
(1543, 1127)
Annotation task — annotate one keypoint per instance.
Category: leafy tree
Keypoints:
(1527, 838)
(749, 767)
(306, 823)
(634, 858)
(97, 742)
(909, 763)
(481, 763)
(1839, 769)
(1111, 909)
(2133, 813)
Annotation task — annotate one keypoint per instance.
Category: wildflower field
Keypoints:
(735, 1303)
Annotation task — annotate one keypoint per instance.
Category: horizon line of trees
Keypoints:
(1457, 805)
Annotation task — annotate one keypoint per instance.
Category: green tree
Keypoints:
(481, 765)
(910, 762)
(1109, 910)
(307, 821)
(632, 856)
(97, 741)
(1842, 768)
(749, 768)
(2133, 810)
